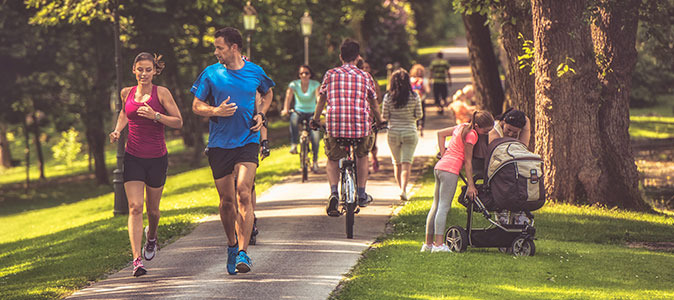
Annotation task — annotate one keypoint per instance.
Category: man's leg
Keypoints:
(245, 218)
(228, 214)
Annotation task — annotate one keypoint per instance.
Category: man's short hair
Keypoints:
(231, 35)
(514, 117)
(439, 54)
(349, 50)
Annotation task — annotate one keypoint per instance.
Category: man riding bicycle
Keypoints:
(350, 97)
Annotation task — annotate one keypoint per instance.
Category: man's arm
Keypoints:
(265, 101)
(225, 109)
(374, 108)
(320, 104)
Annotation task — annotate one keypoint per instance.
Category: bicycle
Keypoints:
(305, 141)
(348, 189)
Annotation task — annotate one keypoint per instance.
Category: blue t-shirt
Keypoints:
(215, 84)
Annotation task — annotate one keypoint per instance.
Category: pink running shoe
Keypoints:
(138, 268)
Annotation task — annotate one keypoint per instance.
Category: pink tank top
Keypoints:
(452, 160)
(146, 137)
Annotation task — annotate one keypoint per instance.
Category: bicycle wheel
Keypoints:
(304, 157)
(350, 201)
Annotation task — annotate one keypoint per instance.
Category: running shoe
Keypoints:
(293, 149)
(138, 268)
(253, 234)
(243, 263)
(332, 206)
(314, 167)
(441, 248)
(150, 249)
(363, 202)
(231, 259)
(426, 248)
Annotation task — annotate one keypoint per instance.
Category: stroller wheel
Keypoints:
(456, 239)
(506, 250)
(523, 246)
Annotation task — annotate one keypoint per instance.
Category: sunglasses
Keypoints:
(304, 73)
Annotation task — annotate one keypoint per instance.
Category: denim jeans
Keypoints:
(314, 135)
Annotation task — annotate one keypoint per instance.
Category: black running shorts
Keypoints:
(151, 171)
(222, 161)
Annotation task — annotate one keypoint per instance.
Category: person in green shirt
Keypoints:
(305, 92)
(441, 80)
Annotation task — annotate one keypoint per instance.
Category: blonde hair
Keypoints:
(416, 69)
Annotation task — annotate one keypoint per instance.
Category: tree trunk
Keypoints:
(483, 64)
(5, 154)
(26, 151)
(567, 105)
(516, 20)
(38, 146)
(614, 37)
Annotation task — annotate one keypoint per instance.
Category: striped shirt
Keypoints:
(347, 90)
(404, 118)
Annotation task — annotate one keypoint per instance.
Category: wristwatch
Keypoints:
(264, 119)
(157, 117)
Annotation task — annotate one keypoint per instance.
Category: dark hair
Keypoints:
(311, 72)
(481, 118)
(231, 35)
(513, 117)
(360, 64)
(401, 88)
(156, 61)
(349, 50)
(439, 54)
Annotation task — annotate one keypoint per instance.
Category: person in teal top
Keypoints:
(305, 92)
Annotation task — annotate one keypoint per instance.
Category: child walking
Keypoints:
(458, 153)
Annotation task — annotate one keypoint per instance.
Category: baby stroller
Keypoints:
(513, 186)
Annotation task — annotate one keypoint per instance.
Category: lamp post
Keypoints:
(249, 19)
(121, 203)
(305, 23)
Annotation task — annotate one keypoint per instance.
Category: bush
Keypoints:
(68, 147)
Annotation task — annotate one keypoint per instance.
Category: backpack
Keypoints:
(514, 176)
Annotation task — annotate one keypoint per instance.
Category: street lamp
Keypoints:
(121, 206)
(305, 23)
(249, 19)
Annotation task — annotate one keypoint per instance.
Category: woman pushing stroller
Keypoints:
(453, 157)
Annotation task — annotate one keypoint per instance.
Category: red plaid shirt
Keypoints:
(347, 90)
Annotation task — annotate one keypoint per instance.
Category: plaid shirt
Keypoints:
(347, 90)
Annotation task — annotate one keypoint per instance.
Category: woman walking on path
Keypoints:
(457, 154)
(402, 108)
(305, 92)
(147, 109)
(421, 88)
(363, 65)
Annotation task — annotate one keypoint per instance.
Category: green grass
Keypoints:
(651, 127)
(44, 240)
(580, 254)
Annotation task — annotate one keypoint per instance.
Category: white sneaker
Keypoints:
(314, 167)
(403, 196)
(426, 248)
(441, 248)
(293, 149)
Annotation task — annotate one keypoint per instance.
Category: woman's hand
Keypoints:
(114, 136)
(146, 111)
(471, 192)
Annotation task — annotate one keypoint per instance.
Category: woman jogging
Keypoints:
(457, 154)
(147, 109)
(305, 92)
(402, 108)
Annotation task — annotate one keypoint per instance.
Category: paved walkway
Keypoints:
(301, 253)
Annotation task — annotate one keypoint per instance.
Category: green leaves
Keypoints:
(526, 60)
(564, 67)
(84, 11)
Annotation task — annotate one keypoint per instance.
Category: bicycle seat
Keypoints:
(348, 141)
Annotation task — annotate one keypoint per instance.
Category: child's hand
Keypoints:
(471, 192)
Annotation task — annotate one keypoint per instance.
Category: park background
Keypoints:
(59, 99)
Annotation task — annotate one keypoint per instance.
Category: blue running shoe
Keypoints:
(243, 262)
(232, 259)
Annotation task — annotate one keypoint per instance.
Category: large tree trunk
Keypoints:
(516, 20)
(614, 36)
(483, 64)
(5, 154)
(26, 134)
(38, 146)
(567, 105)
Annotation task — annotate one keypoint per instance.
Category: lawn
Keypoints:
(581, 253)
(58, 238)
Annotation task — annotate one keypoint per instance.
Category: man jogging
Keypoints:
(227, 96)
(350, 96)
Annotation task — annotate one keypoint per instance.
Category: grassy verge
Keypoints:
(581, 254)
(43, 246)
(651, 127)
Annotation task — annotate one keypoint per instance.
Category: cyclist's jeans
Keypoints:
(315, 136)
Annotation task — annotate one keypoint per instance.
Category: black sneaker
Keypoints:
(363, 202)
(253, 235)
(332, 206)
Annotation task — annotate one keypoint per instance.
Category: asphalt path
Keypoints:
(301, 253)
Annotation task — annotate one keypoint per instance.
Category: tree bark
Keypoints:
(26, 133)
(38, 146)
(520, 92)
(483, 64)
(567, 105)
(614, 37)
(5, 154)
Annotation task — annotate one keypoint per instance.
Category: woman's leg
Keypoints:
(430, 219)
(446, 193)
(409, 144)
(134, 194)
(404, 176)
(396, 171)
(152, 207)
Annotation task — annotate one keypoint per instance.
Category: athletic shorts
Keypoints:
(151, 171)
(222, 161)
(334, 152)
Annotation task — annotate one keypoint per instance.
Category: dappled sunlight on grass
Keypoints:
(651, 127)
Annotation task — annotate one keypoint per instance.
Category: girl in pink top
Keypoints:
(457, 154)
(147, 109)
